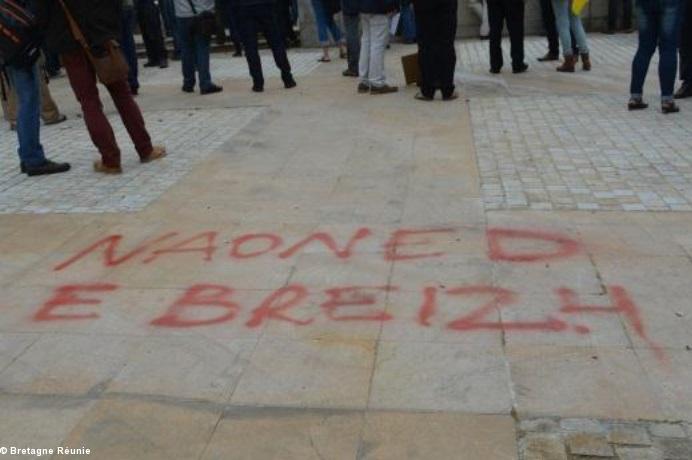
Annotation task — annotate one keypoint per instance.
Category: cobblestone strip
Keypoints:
(588, 439)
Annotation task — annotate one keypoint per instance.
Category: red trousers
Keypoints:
(83, 81)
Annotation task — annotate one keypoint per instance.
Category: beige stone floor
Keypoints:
(431, 348)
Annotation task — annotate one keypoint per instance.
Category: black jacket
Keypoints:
(99, 21)
(422, 5)
(378, 6)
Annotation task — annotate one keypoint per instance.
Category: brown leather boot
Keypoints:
(568, 64)
(586, 62)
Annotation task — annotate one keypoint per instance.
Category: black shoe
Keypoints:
(350, 73)
(636, 103)
(495, 70)
(211, 89)
(289, 82)
(549, 57)
(163, 64)
(238, 53)
(151, 64)
(188, 89)
(258, 88)
(669, 107)
(423, 97)
(48, 167)
(450, 97)
(684, 91)
(521, 68)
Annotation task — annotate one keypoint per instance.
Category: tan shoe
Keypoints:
(99, 167)
(157, 152)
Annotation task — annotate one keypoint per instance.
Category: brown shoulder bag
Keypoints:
(110, 65)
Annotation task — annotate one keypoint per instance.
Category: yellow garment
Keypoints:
(578, 6)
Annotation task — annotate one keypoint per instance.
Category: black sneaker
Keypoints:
(521, 68)
(257, 88)
(350, 73)
(48, 167)
(289, 82)
(188, 89)
(211, 89)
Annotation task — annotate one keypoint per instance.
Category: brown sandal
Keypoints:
(157, 152)
(99, 167)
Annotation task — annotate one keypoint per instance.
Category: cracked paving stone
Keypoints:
(589, 445)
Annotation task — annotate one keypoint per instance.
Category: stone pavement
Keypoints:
(318, 274)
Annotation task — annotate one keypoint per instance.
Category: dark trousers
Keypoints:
(194, 53)
(127, 43)
(285, 22)
(252, 19)
(149, 18)
(511, 12)
(82, 78)
(686, 43)
(352, 31)
(232, 24)
(436, 28)
(614, 8)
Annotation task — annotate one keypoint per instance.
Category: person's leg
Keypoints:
(144, 25)
(612, 15)
(669, 27)
(201, 51)
(648, 40)
(10, 106)
(50, 113)
(408, 24)
(247, 27)
(127, 43)
(447, 18)
(562, 22)
(270, 30)
(131, 116)
(25, 81)
(187, 53)
(548, 17)
(497, 18)
(515, 24)
(686, 43)
(364, 65)
(378, 44)
(577, 28)
(322, 27)
(352, 25)
(426, 27)
(156, 34)
(627, 15)
(83, 82)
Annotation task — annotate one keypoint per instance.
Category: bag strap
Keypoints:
(192, 5)
(74, 28)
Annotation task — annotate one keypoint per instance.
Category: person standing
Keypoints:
(548, 19)
(685, 89)
(232, 25)
(149, 17)
(511, 12)
(659, 26)
(127, 43)
(569, 23)
(349, 10)
(324, 11)
(408, 22)
(374, 17)
(194, 46)
(100, 24)
(255, 16)
(170, 25)
(436, 23)
(614, 9)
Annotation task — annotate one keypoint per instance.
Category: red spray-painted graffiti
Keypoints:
(203, 305)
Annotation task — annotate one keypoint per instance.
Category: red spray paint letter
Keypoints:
(208, 248)
(402, 238)
(275, 306)
(200, 296)
(328, 241)
(273, 242)
(69, 296)
(354, 296)
(110, 244)
(562, 246)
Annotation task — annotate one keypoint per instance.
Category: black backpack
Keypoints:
(19, 42)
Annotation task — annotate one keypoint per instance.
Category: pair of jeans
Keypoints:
(614, 7)
(82, 78)
(659, 26)
(149, 17)
(127, 44)
(25, 81)
(325, 24)
(548, 19)
(252, 19)
(437, 57)
(568, 23)
(194, 52)
(352, 26)
(408, 23)
(169, 23)
(512, 12)
(373, 44)
(686, 43)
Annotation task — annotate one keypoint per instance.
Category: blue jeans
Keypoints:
(194, 52)
(325, 24)
(659, 25)
(26, 82)
(566, 21)
(408, 23)
(127, 42)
